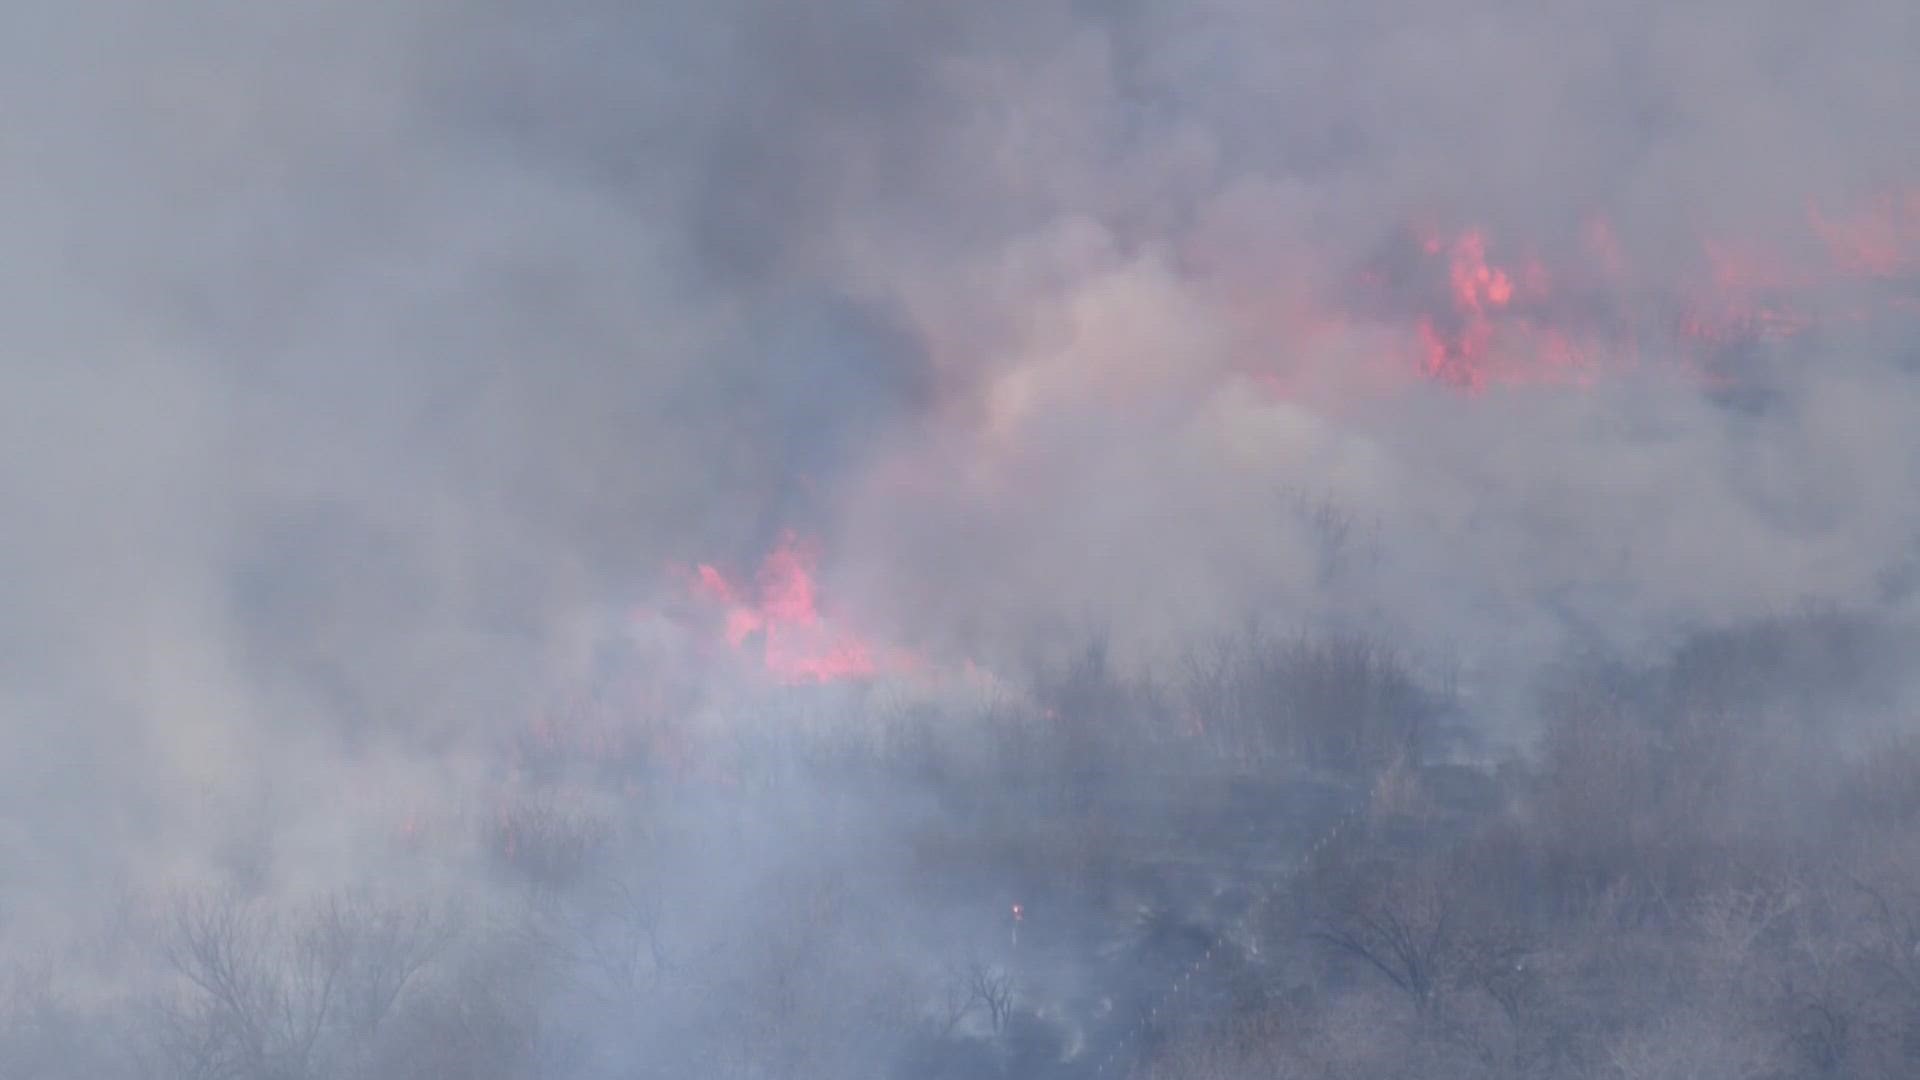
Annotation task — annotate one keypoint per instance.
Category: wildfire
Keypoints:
(1494, 327)
(780, 618)
(1493, 314)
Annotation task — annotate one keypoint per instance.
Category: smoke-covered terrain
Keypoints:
(1190, 541)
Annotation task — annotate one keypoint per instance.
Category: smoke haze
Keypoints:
(379, 374)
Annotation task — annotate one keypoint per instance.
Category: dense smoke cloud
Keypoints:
(361, 358)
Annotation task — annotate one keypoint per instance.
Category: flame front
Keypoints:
(1496, 314)
(781, 619)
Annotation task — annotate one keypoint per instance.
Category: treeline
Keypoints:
(1708, 866)
(1711, 870)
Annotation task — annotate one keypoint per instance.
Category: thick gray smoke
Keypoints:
(360, 356)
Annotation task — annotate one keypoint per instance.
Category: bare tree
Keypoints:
(977, 988)
(1693, 1044)
(543, 845)
(45, 1036)
(992, 990)
(264, 994)
(1403, 925)
(607, 936)
(479, 1018)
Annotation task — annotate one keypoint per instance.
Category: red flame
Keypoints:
(1508, 319)
(1492, 331)
(781, 615)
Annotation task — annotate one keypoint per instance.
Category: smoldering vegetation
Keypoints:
(1284, 857)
